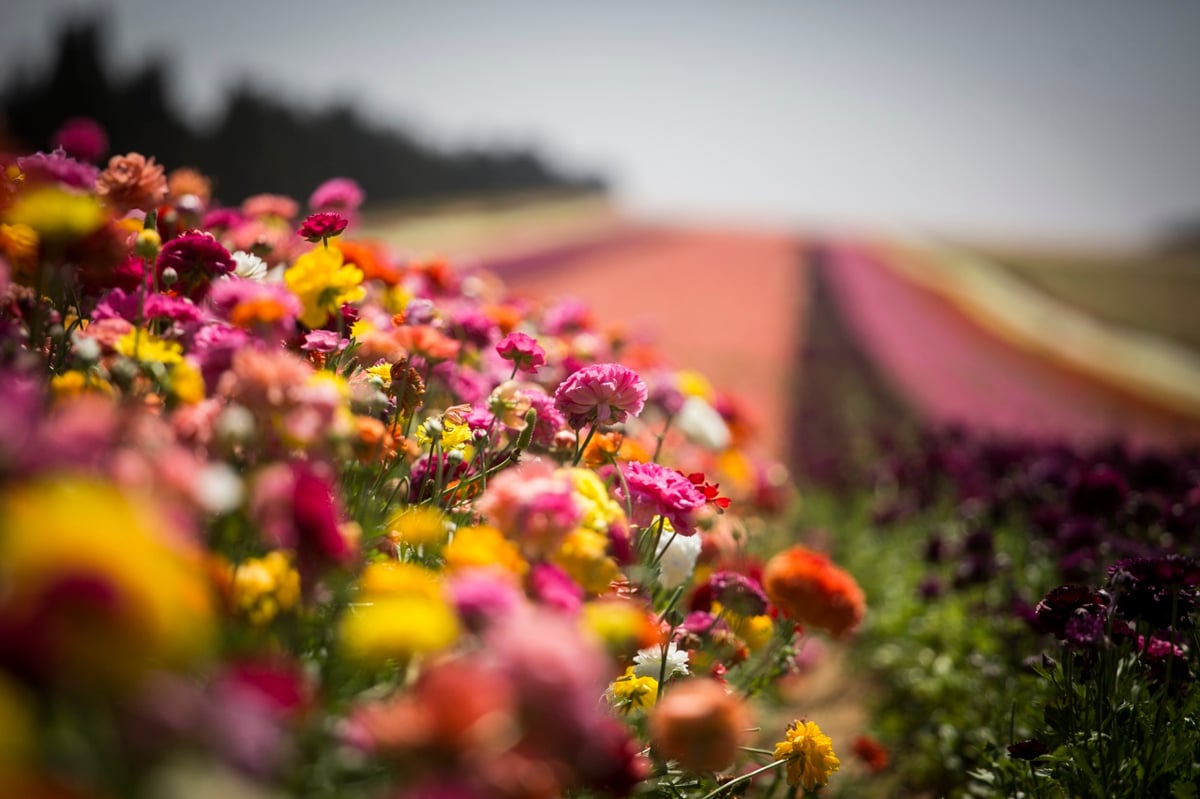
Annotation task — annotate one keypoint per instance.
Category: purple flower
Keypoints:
(600, 394)
(658, 491)
(524, 351)
(1060, 604)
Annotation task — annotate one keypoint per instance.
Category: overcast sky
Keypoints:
(1039, 118)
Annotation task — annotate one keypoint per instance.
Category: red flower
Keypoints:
(710, 491)
(323, 225)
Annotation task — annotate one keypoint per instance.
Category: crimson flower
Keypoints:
(323, 225)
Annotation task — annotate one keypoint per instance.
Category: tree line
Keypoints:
(259, 143)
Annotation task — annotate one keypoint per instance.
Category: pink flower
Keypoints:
(658, 491)
(323, 225)
(600, 394)
(337, 194)
(323, 341)
(82, 138)
(270, 205)
(523, 351)
(532, 505)
(554, 588)
(58, 167)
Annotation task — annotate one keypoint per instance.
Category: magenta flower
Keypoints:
(336, 194)
(658, 491)
(82, 138)
(196, 258)
(323, 225)
(600, 394)
(523, 351)
(58, 167)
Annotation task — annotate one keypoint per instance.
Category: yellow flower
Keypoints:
(75, 383)
(146, 601)
(484, 547)
(322, 282)
(694, 384)
(56, 214)
(19, 244)
(584, 556)
(389, 578)
(630, 692)
(187, 384)
(397, 627)
(454, 436)
(141, 345)
(418, 525)
(600, 510)
(809, 755)
(264, 587)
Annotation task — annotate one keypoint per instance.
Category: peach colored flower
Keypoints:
(699, 724)
(132, 182)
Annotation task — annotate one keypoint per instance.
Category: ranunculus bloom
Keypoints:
(600, 394)
(809, 755)
(337, 194)
(807, 587)
(197, 258)
(323, 225)
(132, 182)
(700, 725)
(82, 138)
(658, 491)
(524, 351)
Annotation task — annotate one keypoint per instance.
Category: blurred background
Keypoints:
(984, 214)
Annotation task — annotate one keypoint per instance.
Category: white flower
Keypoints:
(677, 555)
(701, 423)
(249, 266)
(648, 662)
(219, 488)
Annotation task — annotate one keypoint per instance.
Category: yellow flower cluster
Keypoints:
(322, 282)
(809, 755)
(141, 345)
(152, 604)
(630, 692)
(401, 613)
(484, 547)
(264, 587)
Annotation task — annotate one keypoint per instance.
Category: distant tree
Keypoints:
(259, 143)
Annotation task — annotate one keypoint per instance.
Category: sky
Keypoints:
(1056, 120)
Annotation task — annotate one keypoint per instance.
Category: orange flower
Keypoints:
(699, 724)
(807, 587)
(425, 340)
(367, 258)
(185, 180)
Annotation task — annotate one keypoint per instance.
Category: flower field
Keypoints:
(369, 525)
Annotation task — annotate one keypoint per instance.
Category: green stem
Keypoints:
(743, 778)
